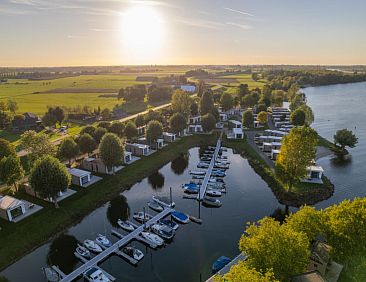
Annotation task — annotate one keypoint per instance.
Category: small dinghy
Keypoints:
(84, 252)
(163, 231)
(126, 225)
(173, 225)
(51, 274)
(213, 193)
(180, 217)
(103, 241)
(92, 246)
(195, 219)
(163, 201)
(153, 238)
(95, 274)
(155, 206)
(220, 264)
(142, 217)
(133, 252)
(197, 172)
(211, 202)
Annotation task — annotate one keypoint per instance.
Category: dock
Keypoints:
(114, 249)
(204, 185)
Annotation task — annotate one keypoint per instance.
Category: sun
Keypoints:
(142, 31)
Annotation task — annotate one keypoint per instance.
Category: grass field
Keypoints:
(245, 79)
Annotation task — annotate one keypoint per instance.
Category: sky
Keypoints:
(182, 32)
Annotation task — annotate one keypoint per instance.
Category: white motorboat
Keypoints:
(198, 177)
(51, 274)
(216, 180)
(92, 246)
(197, 172)
(95, 274)
(221, 166)
(211, 202)
(126, 225)
(142, 217)
(163, 231)
(213, 193)
(84, 252)
(153, 238)
(103, 241)
(155, 206)
(216, 185)
(173, 225)
(202, 165)
(163, 201)
(133, 252)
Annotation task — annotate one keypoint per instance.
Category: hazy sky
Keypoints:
(115, 32)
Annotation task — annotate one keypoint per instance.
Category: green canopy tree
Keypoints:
(262, 117)
(49, 120)
(297, 153)
(194, 108)
(154, 131)
(117, 128)
(181, 102)
(247, 119)
(206, 103)
(177, 123)
(130, 131)
(104, 124)
(87, 144)
(139, 120)
(111, 151)
(89, 129)
(11, 171)
(309, 115)
(48, 177)
(297, 101)
(298, 117)
(243, 90)
(12, 106)
(270, 245)
(106, 114)
(226, 101)
(153, 115)
(99, 133)
(345, 137)
(68, 149)
(58, 114)
(6, 148)
(261, 108)
(208, 122)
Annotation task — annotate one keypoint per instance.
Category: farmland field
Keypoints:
(245, 79)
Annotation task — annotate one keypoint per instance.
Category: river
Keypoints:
(195, 247)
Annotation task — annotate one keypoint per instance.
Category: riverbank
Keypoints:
(302, 193)
(25, 236)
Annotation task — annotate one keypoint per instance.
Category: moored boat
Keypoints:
(197, 172)
(155, 206)
(82, 251)
(211, 202)
(125, 224)
(133, 252)
(92, 246)
(141, 216)
(163, 231)
(153, 238)
(95, 274)
(103, 240)
(170, 223)
(220, 264)
(213, 193)
(180, 217)
(163, 201)
(51, 274)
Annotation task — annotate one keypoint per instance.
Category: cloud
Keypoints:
(103, 29)
(200, 23)
(242, 26)
(239, 12)
(74, 36)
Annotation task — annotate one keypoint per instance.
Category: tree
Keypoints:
(68, 149)
(270, 245)
(262, 117)
(345, 137)
(194, 108)
(106, 114)
(111, 151)
(104, 124)
(226, 101)
(261, 108)
(297, 101)
(11, 171)
(200, 88)
(12, 106)
(49, 177)
(6, 149)
(37, 145)
(181, 102)
(178, 123)
(298, 117)
(297, 153)
(206, 103)
(130, 131)
(309, 115)
(208, 122)
(98, 134)
(243, 90)
(255, 76)
(117, 128)
(154, 131)
(248, 101)
(140, 121)
(153, 115)
(89, 129)
(49, 120)
(87, 143)
(5, 120)
(58, 113)
(248, 119)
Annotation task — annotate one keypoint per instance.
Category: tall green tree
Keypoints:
(86, 143)
(140, 121)
(12, 106)
(117, 128)
(247, 119)
(243, 90)
(206, 103)
(208, 122)
(58, 113)
(49, 177)
(262, 117)
(89, 129)
(6, 148)
(181, 102)
(99, 133)
(153, 115)
(154, 131)
(68, 149)
(297, 153)
(130, 131)
(177, 123)
(111, 151)
(11, 171)
(49, 120)
(309, 115)
(226, 101)
(298, 117)
(345, 137)
(194, 108)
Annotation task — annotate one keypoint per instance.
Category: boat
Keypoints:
(173, 225)
(163, 201)
(92, 246)
(205, 158)
(197, 172)
(180, 217)
(133, 252)
(202, 165)
(211, 202)
(191, 190)
(221, 166)
(51, 274)
(153, 238)
(81, 250)
(218, 173)
(155, 206)
(126, 225)
(217, 180)
(198, 177)
(220, 264)
(103, 241)
(95, 274)
(195, 219)
(163, 231)
(142, 217)
(213, 193)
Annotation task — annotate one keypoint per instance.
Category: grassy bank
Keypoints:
(33, 231)
(301, 194)
(331, 146)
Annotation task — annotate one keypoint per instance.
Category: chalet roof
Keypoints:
(78, 172)
(312, 276)
(8, 202)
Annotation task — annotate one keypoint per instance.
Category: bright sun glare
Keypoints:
(142, 31)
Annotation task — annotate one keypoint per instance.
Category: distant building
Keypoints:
(97, 165)
(11, 208)
(138, 149)
(188, 88)
(169, 137)
(27, 122)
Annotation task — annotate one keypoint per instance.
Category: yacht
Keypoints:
(92, 246)
(163, 231)
(141, 216)
(103, 241)
(126, 225)
(133, 252)
(82, 251)
(153, 238)
(94, 274)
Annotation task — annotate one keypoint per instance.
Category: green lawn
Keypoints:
(246, 79)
